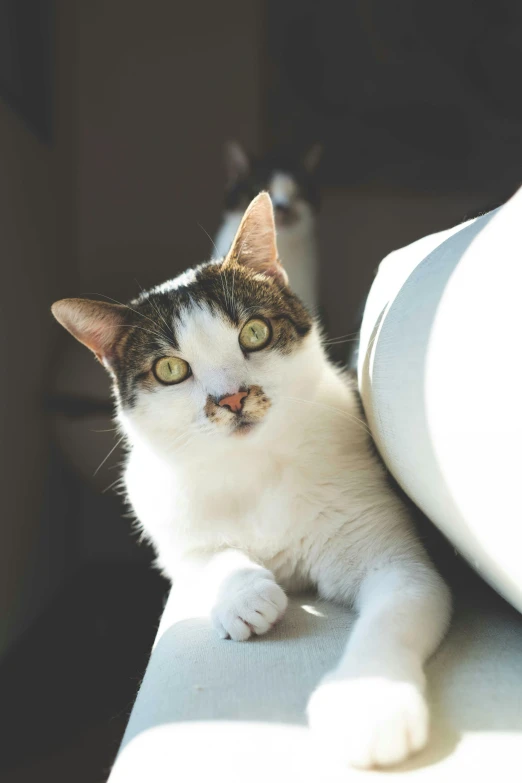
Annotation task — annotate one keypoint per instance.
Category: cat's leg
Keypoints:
(371, 708)
(240, 597)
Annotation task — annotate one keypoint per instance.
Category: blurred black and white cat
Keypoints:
(291, 180)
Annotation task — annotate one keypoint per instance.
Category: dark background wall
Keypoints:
(159, 92)
(35, 252)
(417, 108)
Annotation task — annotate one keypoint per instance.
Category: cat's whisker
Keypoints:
(230, 297)
(179, 438)
(222, 278)
(143, 329)
(190, 436)
(233, 284)
(102, 463)
(196, 429)
(228, 293)
(116, 466)
(119, 480)
(340, 342)
(116, 301)
(155, 308)
(351, 335)
(208, 235)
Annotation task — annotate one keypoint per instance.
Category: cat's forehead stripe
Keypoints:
(232, 291)
(183, 280)
(200, 312)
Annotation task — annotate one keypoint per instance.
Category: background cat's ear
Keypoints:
(237, 164)
(312, 158)
(255, 243)
(98, 325)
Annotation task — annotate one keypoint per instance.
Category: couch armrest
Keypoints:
(441, 381)
(209, 709)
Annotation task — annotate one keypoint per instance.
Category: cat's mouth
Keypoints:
(243, 426)
(238, 413)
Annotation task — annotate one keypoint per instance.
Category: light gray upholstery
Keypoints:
(209, 709)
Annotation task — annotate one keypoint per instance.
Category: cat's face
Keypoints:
(212, 353)
(226, 349)
(290, 181)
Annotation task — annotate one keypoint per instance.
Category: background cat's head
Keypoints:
(222, 350)
(290, 180)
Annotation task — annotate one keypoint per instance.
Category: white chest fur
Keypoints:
(280, 496)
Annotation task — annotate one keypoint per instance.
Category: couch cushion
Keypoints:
(209, 709)
(441, 379)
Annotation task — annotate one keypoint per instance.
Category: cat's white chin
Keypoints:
(244, 428)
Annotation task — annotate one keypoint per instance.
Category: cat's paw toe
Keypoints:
(249, 606)
(370, 721)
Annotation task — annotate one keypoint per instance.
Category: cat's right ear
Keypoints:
(237, 164)
(98, 325)
(255, 245)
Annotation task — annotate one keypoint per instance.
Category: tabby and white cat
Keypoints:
(291, 181)
(251, 472)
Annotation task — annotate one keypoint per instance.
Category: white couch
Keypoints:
(441, 380)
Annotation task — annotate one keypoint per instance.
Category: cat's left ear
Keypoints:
(98, 325)
(255, 245)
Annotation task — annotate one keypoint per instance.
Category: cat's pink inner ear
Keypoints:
(98, 325)
(255, 245)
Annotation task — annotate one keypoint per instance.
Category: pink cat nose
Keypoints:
(233, 401)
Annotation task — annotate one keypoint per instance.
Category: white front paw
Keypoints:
(249, 602)
(370, 721)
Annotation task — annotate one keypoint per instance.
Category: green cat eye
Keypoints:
(171, 369)
(255, 334)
